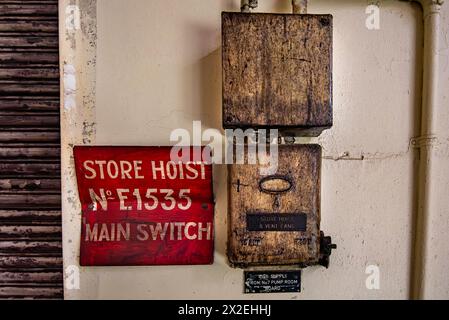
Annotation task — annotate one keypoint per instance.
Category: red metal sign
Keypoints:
(141, 207)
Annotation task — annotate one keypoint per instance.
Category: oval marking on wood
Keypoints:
(275, 184)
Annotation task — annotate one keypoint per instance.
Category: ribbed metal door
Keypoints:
(30, 198)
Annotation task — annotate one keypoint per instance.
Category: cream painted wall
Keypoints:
(157, 67)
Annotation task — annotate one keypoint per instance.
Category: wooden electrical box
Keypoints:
(275, 219)
(277, 71)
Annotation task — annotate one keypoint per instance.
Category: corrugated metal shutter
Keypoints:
(30, 197)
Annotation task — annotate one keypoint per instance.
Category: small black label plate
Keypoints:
(272, 281)
(276, 221)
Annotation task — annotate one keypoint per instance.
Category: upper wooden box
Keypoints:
(277, 71)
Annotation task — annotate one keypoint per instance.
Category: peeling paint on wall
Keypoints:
(69, 79)
(72, 19)
(78, 44)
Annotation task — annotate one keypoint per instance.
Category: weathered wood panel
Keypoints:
(31, 247)
(27, 217)
(30, 43)
(27, 200)
(29, 277)
(36, 185)
(29, 74)
(30, 198)
(30, 232)
(29, 170)
(41, 87)
(298, 175)
(29, 104)
(27, 152)
(29, 137)
(22, 292)
(14, 262)
(277, 71)
(29, 120)
(17, 25)
(29, 58)
(32, 9)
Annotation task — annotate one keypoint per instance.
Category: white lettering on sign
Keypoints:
(103, 232)
(133, 170)
(127, 198)
(99, 232)
(171, 170)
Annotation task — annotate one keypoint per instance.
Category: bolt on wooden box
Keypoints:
(275, 219)
(277, 71)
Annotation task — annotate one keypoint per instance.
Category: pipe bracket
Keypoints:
(424, 141)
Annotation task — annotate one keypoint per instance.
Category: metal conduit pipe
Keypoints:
(298, 6)
(425, 143)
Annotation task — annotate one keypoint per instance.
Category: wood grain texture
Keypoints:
(30, 188)
(27, 277)
(29, 170)
(20, 217)
(37, 43)
(300, 164)
(21, 151)
(35, 185)
(30, 27)
(30, 232)
(277, 71)
(29, 136)
(21, 8)
(29, 120)
(14, 262)
(29, 74)
(36, 292)
(22, 248)
(29, 104)
(25, 200)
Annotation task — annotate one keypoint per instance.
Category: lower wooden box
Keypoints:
(275, 219)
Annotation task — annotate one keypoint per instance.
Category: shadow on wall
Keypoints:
(202, 85)
(202, 79)
(210, 85)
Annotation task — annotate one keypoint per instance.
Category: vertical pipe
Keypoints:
(244, 6)
(299, 6)
(247, 5)
(427, 172)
